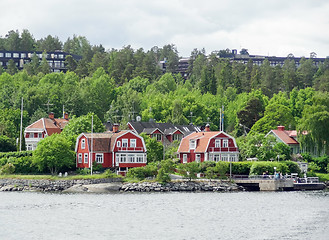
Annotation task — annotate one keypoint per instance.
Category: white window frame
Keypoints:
(39, 135)
(184, 158)
(216, 157)
(225, 143)
(217, 143)
(133, 143)
(80, 158)
(224, 158)
(177, 137)
(99, 157)
(83, 143)
(118, 144)
(124, 142)
(198, 158)
(192, 144)
(85, 159)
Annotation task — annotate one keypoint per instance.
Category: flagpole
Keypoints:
(20, 134)
(91, 148)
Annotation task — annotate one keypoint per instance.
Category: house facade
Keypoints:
(42, 128)
(288, 137)
(120, 150)
(56, 59)
(208, 146)
(163, 132)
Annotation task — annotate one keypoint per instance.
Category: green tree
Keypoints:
(189, 170)
(11, 68)
(154, 149)
(7, 144)
(53, 153)
(82, 124)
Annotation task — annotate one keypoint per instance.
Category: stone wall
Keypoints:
(181, 186)
(48, 185)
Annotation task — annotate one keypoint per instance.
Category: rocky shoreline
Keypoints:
(115, 185)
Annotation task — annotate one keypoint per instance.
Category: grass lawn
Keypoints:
(50, 177)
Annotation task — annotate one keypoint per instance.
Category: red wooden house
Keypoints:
(42, 128)
(117, 149)
(208, 146)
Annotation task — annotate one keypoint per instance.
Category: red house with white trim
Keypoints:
(117, 149)
(42, 128)
(208, 146)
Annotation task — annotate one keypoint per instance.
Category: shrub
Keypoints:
(241, 168)
(258, 168)
(292, 167)
(163, 176)
(189, 170)
(141, 173)
(8, 168)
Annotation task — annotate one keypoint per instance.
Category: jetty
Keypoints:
(270, 183)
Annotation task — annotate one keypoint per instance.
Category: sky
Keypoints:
(264, 27)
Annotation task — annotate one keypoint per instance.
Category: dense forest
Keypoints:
(120, 84)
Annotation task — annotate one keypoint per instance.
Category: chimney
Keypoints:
(51, 115)
(281, 128)
(207, 128)
(66, 116)
(115, 127)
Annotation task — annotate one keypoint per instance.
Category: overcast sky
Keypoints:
(264, 27)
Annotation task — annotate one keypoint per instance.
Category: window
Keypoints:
(157, 136)
(83, 143)
(80, 158)
(225, 143)
(1, 54)
(61, 56)
(15, 55)
(86, 158)
(23, 55)
(99, 158)
(217, 143)
(131, 158)
(29, 147)
(8, 55)
(216, 157)
(177, 137)
(133, 143)
(192, 144)
(40, 135)
(118, 144)
(125, 143)
(184, 158)
(123, 158)
(197, 157)
(139, 158)
(224, 158)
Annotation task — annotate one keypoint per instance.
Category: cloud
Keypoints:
(276, 27)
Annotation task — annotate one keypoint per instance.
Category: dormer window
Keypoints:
(217, 143)
(192, 144)
(83, 143)
(225, 143)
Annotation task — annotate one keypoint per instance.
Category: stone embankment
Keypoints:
(181, 186)
(114, 185)
(48, 185)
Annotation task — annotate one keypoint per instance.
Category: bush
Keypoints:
(8, 168)
(163, 176)
(292, 167)
(241, 168)
(141, 173)
(258, 168)
(83, 171)
(322, 163)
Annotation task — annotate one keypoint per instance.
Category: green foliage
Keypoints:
(189, 170)
(258, 168)
(154, 149)
(8, 168)
(141, 173)
(7, 144)
(82, 124)
(53, 153)
(241, 168)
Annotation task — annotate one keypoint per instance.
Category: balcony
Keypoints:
(130, 149)
(223, 149)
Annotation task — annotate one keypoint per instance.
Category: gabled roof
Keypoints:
(285, 136)
(104, 142)
(50, 126)
(203, 140)
(165, 128)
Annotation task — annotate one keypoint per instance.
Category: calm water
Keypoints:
(243, 215)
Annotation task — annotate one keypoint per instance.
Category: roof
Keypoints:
(51, 126)
(203, 139)
(286, 136)
(104, 142)
(167, 128)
